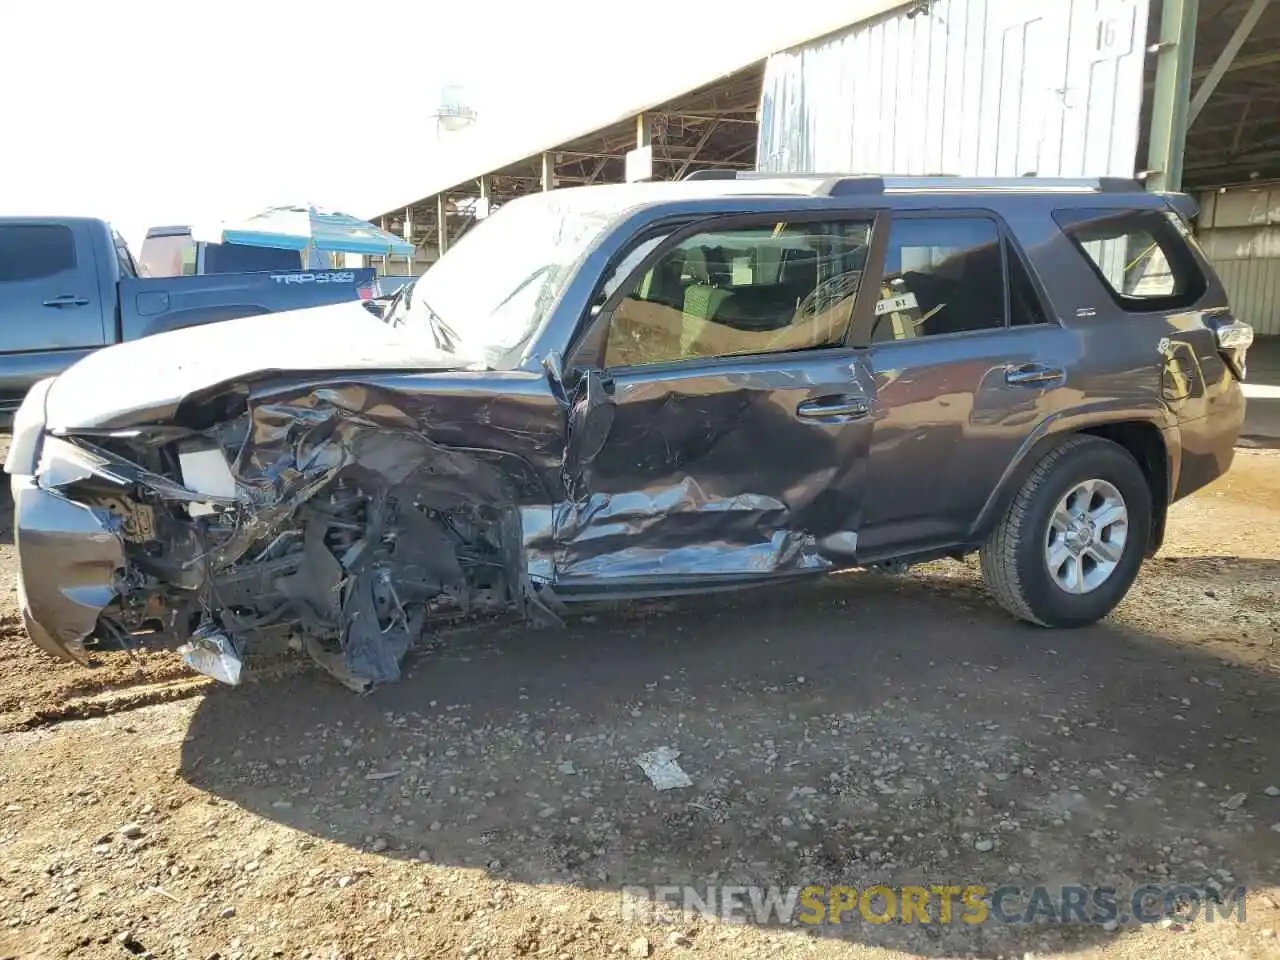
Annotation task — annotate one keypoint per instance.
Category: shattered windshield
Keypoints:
(489, 293)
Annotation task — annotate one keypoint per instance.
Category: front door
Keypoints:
(740, 413)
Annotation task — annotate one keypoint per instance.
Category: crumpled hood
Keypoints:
(162, 369)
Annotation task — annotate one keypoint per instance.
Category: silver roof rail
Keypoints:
(848, 184)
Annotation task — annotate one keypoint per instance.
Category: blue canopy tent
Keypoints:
(308, 229)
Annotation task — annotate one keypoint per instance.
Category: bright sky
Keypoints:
(169, 111)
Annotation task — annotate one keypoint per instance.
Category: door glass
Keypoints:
(1025, 305)
(33, 251)
(941, 275)
(767, 289)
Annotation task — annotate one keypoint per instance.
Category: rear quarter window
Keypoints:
(1139, 255)
(32, 251)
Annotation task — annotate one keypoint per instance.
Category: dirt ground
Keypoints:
(860, 730)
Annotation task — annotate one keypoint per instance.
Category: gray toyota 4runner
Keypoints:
(648, 389)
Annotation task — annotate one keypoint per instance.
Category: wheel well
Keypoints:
(1142, 439)
(1145, 443)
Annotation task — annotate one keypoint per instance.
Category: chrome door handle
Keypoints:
(1033, 374)
(67, 301)
(839, 406)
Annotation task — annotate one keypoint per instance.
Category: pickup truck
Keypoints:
(174, 252)
(69, 286)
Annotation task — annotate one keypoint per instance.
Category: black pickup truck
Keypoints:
(69, 286)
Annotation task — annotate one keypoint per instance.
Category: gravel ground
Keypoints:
(859, 730)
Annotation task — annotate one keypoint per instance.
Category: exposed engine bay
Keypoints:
(297, 525)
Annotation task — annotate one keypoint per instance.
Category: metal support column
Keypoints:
(386, 257)
(442, 224)
(644, 131)
(548, 171)
(1226, 58)
(408, 235)
(638, 162)
(1171, 100)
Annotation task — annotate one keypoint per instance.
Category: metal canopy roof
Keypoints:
(1237, 133)
(702, 113)
(699, 66)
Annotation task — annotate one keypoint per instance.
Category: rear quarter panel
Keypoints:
(1159, 366)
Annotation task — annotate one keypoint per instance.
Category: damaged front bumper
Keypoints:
(295, 525)
(69, 559)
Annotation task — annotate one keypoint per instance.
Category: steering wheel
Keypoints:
(823, 297)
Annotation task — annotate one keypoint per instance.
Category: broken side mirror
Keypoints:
(590, 417)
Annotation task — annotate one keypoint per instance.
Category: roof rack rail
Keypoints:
(849, 184)
(717, 174)
(712, 174)
(852, 185)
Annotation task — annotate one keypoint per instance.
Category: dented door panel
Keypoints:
(722, 469)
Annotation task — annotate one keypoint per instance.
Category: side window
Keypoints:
(768, 289)
(1138, 254)
(1025, 305)
(941, 275)
(33, 251)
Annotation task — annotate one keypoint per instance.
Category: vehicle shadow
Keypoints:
(6, 515)
(857, 730)
(6, 495)
(1262, 393)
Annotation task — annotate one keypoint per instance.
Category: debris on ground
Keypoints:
(662, 770)
(211, 652)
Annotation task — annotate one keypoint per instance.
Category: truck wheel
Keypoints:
(1072, 542)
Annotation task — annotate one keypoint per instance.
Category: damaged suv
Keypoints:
(647, 389)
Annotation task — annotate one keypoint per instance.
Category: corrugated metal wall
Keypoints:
(1240, 232)
(974, 87)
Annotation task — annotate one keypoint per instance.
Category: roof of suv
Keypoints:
(711, 184)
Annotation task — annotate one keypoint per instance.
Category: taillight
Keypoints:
(364, 293)
(1233, 338)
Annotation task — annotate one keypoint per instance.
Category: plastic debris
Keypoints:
(211, 652)
(662, 770)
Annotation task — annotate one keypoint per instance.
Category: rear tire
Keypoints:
(1074, 538)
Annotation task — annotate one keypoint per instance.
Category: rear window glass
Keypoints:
(31, 251)
(236, 258)
(1138, 254)
(167, 255)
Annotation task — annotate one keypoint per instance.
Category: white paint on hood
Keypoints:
(164, 368)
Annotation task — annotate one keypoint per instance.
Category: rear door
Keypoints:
(50, 300)
(739, 411)
(966, 361)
